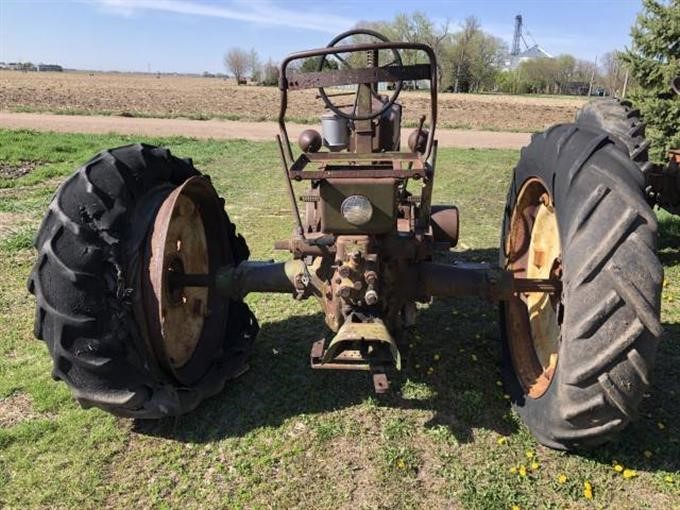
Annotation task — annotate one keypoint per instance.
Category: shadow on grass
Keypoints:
(462, 388)
(669, 240)
(457, 339)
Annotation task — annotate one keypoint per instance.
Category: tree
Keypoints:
(473, 58)
(311, 65)
(613, 72)
(270, 74)
(254, 65)
(415, 28)
(237, 61)
(654, 60)
(467, 61)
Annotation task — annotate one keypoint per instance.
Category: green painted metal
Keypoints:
(382, 193)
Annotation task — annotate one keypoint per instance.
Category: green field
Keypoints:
(283, 436)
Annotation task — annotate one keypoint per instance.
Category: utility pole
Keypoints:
(625, 85)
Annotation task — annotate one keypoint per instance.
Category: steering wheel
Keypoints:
(397, 89)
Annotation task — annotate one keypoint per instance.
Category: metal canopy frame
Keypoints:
(299, 81)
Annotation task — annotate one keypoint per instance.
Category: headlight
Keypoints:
(357, 209)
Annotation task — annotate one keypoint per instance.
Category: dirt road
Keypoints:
(224, 129)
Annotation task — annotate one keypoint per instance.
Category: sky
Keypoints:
(193, 35)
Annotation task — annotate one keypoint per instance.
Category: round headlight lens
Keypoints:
(357, 209)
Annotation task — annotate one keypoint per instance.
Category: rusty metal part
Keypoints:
(357, 346)
(368, 75)
(179, 241)
(367, 171)
(421, 136)
(291, 193)
(306, 247)
(310, 140)
(674, 155)
(299, 81)
(444, 222)
(380, 383)
(250, 276)
(352, 165)
(362, 112)
(424, 210)
(184, 324)
(534, 253)
(663, 183)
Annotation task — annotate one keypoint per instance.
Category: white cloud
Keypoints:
(263, 12)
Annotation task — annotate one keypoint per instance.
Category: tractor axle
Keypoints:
(429, 279)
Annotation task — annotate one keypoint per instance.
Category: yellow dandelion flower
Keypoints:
(618, 468)
(660, 425)
(668, 479)
(401, 464)
(562, 479)
(502, 440)
(647, 454)
(515, 507)
(522, 470)
(587, 490)
(513, 470)
(529, 454)
(535, 466)
(437, 357)
(629, 473)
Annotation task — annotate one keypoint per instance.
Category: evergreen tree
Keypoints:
(654, 60)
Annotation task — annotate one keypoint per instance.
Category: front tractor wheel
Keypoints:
(122, 336)
(577, 364)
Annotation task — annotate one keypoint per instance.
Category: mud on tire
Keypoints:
(611, 281)
(86, 281)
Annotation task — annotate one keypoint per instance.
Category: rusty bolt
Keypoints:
(344, 292)
(370, 277)
(371, 297)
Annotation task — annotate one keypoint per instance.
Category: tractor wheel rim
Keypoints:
(177, 243)
(533, 324)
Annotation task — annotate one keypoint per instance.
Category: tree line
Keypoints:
(468, 59)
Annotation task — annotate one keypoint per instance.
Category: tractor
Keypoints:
(140, 275)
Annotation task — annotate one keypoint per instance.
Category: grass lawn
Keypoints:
(283, 436)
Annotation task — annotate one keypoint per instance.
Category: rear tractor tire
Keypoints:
(623, 122)
(120, 338)
(577, 364)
